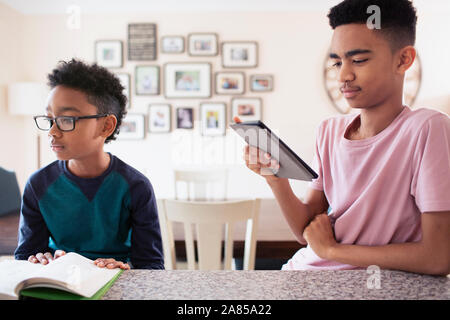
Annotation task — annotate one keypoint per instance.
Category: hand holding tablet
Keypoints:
(268, 155)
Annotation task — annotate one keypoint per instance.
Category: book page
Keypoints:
(79, 274)
(13, 272)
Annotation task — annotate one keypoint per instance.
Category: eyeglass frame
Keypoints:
(74, 119)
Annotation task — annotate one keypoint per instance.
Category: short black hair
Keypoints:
(398, 18)
(102, 88)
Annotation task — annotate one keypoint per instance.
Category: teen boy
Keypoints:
(384, 173)
(88, 201)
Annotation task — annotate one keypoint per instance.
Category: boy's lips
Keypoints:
(57, 147)
(350, 92)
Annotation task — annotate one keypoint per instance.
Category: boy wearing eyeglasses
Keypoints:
(88, 201)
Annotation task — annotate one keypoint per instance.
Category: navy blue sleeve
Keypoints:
(146, 245)
(33, 232)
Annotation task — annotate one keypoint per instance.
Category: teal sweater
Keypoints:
(110, 216)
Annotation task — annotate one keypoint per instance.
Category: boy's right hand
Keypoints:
(261, 163)
(45, 258)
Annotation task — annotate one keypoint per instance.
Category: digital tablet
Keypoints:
(257, 134)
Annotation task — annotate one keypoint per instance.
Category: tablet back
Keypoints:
(256, 134)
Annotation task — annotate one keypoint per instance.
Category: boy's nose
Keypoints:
(346, 74)
(54, 131)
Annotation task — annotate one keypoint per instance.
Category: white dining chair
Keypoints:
(201, 184)
(210, 220)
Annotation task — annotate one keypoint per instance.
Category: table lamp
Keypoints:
(28, 99)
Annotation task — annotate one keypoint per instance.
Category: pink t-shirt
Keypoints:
(378, 187)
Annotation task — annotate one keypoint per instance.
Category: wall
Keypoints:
(290, 109)
(292, 47)
(17, 135)
(434, 48)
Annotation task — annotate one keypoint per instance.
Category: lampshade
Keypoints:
(27, 98)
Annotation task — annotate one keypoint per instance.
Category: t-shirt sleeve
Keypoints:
(317, 161)
(431, 164)
(33, 232)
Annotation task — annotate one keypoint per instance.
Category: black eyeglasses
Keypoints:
(64, 123)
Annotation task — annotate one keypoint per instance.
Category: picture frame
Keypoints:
(261, 82)
(185, 118)
(213, 118)
(187, 80)
(132, 127)
(172, 44)
(203, 44)
(229, 83)
(126, 83)
(142, 42)
(159, 118)
(109, 53)
(240, 54)
(147, 80)
(247, 109)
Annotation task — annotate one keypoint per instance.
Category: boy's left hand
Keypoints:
(111, 264)
(319, 235)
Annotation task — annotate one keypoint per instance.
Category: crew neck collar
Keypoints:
(378, 136)
(77, 178)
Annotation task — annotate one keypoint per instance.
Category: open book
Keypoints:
(71, 273)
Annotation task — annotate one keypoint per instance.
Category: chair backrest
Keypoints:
(209, 219)
(10, 197)
(201, 185)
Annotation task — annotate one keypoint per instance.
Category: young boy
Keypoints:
(88, 201)
(384, 173)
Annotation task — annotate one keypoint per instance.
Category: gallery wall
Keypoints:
(291, 47)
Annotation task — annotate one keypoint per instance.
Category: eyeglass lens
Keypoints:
(63, 123)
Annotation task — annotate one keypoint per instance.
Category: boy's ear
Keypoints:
(405, 59)
(109, 125)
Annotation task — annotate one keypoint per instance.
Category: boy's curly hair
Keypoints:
(102, 88)
(398, 18)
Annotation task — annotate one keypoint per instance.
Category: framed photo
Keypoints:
(108, 53)
(247, 109)
(187, 80)
(141, 41)
(261, 82)
(213, 118)
(133, 127)
(172, 44)
(125, 82)
(203, 44)
(185, 118)
(239, 54)
(159, 118)
(230, 83)
(147, 80)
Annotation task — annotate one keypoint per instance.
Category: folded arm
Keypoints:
(430, 255)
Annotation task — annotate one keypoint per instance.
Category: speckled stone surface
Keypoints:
(275, 285)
